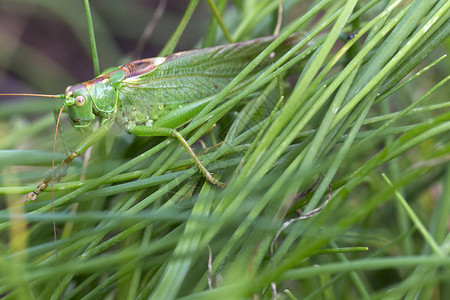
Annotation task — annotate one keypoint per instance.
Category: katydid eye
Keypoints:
(79, 101)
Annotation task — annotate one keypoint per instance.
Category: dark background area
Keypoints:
(45, 45)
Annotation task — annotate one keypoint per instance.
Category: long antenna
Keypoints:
(53, 196)
(60, 96)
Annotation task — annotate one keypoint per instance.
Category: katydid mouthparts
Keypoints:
(155, 96)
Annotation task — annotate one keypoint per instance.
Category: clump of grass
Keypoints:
(336, 159)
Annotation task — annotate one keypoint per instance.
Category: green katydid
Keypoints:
(154, 96)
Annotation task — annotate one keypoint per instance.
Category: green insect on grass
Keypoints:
(304, 128)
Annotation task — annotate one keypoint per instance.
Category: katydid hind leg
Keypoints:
(142, 130)
(61, 169)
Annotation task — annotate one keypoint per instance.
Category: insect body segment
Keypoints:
(79, 104)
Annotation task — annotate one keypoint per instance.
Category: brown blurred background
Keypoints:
(44, 45)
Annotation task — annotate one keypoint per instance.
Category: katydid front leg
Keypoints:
(83, 146)
(142, 130)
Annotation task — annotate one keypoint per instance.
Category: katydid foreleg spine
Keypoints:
(62, 168)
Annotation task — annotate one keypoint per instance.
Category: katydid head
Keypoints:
(79, 104)
(78, 101)
(95, 97)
